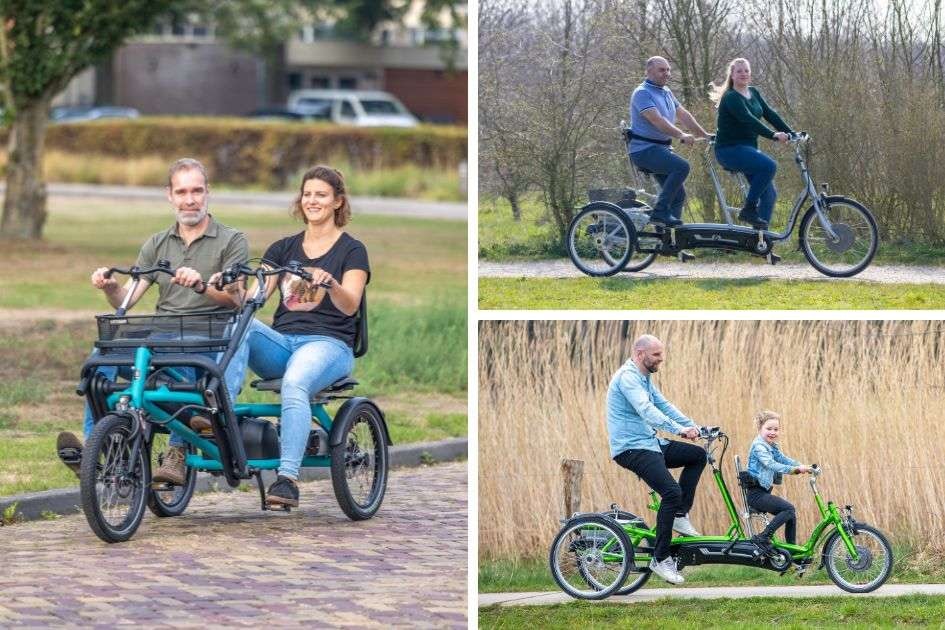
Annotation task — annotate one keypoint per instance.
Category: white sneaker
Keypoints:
(666, 570)
(682, 525)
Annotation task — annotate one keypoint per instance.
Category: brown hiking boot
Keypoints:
(69, 450)
(200, 424)
(172, 469)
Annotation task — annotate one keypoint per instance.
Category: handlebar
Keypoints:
(236, 271)
(162, 266)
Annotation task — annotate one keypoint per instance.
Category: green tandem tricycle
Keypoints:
(596, 555)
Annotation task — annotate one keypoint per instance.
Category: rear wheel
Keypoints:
(869, 570)
(590, 558)
(359, 463)
(601, 240)
(113, 488)
(851, 247)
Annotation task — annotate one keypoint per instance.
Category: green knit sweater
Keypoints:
(739, 120)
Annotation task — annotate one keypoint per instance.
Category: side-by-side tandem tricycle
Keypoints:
(135, 416)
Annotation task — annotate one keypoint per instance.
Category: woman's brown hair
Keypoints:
(333, 178)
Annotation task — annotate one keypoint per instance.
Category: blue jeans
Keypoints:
(670, 171)
(759, 169)
(307, 364)
(233, 377)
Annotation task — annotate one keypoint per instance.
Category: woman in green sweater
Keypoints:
(741, 110)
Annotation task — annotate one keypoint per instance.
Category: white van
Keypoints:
(361, 108)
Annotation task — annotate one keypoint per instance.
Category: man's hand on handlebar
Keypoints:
(100, 280)
(187, 277)
(687, 138)
(691, 433)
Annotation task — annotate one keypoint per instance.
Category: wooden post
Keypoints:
(572, 470)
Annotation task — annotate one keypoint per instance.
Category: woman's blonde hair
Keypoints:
(716, 92)
(763, 416)
(333, 178)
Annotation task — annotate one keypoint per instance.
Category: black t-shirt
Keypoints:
(309, 311)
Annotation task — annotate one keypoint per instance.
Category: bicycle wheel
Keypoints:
(601, 240)
(165, 499)
(590, 558)
(854, 246)
(359, 464)
(114, 489)
(869, 571)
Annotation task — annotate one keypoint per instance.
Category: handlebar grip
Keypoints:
(200, 288)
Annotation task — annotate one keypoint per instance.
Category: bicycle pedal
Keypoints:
(163, 486)
(773, 258)
(686, 257)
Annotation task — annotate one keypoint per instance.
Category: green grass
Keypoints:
(533, 575)
(694, 294)
(415, 367)
(535, 237)
(755, 612)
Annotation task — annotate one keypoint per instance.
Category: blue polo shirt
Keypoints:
(648, 95)
(636, 409)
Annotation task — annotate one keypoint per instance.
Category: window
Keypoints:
(379, 107)
(295, 80)
(347, 109)
(321, 83)
(347, 83)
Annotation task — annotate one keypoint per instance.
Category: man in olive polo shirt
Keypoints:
(197, 246)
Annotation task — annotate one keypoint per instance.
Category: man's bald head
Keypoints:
(647, 353)
(657, 70)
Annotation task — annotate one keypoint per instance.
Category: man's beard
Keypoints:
(186, 217)
(651, 367)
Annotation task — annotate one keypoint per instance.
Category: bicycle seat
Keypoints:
(275, 385)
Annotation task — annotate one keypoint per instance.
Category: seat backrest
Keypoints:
(360, 327)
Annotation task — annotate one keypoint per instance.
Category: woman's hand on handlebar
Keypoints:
(321, 278)
(782, 137)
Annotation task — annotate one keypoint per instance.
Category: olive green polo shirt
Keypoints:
(218, 248)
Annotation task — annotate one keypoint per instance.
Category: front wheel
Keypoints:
(601, 240)
(590, 557)
(872, 566)
(359, 463)
(114, 489)
(851, 247)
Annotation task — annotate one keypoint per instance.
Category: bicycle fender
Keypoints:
(334, 438)
(603, 205)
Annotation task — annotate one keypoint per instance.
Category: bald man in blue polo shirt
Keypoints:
(653, 112)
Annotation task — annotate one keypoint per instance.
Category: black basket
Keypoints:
(203, 331)
(623, 197)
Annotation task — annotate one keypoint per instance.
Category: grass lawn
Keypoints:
(755, 612)
(415, 369)
(694, 294)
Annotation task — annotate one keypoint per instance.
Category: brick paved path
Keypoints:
(226, 562)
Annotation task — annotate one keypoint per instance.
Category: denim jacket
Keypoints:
(636, 409)
(767, 463)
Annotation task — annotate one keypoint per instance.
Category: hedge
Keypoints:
(270, 153)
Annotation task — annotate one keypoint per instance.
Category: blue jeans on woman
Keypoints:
(307, 364)
(759, 169)
(670, 171)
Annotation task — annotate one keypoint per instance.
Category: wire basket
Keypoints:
(203, 331)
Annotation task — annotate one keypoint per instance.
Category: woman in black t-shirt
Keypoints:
(310, 342)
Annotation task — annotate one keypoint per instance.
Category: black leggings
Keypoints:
(675, 498)
(763, 501)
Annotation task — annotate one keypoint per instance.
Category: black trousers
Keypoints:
(675, 498)
(763, 501)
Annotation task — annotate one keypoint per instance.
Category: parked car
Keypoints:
(362, 108)
(278, 113)
(82, 113)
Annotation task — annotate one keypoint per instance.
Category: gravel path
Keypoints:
(714, 592)
(665, 268)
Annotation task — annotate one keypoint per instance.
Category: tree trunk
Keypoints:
(24, 204)
(516, 210)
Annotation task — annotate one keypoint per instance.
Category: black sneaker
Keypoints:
(763, 543)
(284, 491)
(663, 218)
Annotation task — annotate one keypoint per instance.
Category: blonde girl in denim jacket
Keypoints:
(766, 464)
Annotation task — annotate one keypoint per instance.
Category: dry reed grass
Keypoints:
(862, 399)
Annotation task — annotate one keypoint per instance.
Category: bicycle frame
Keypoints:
(802, 554)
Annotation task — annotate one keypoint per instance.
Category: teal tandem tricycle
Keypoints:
(174, 366)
